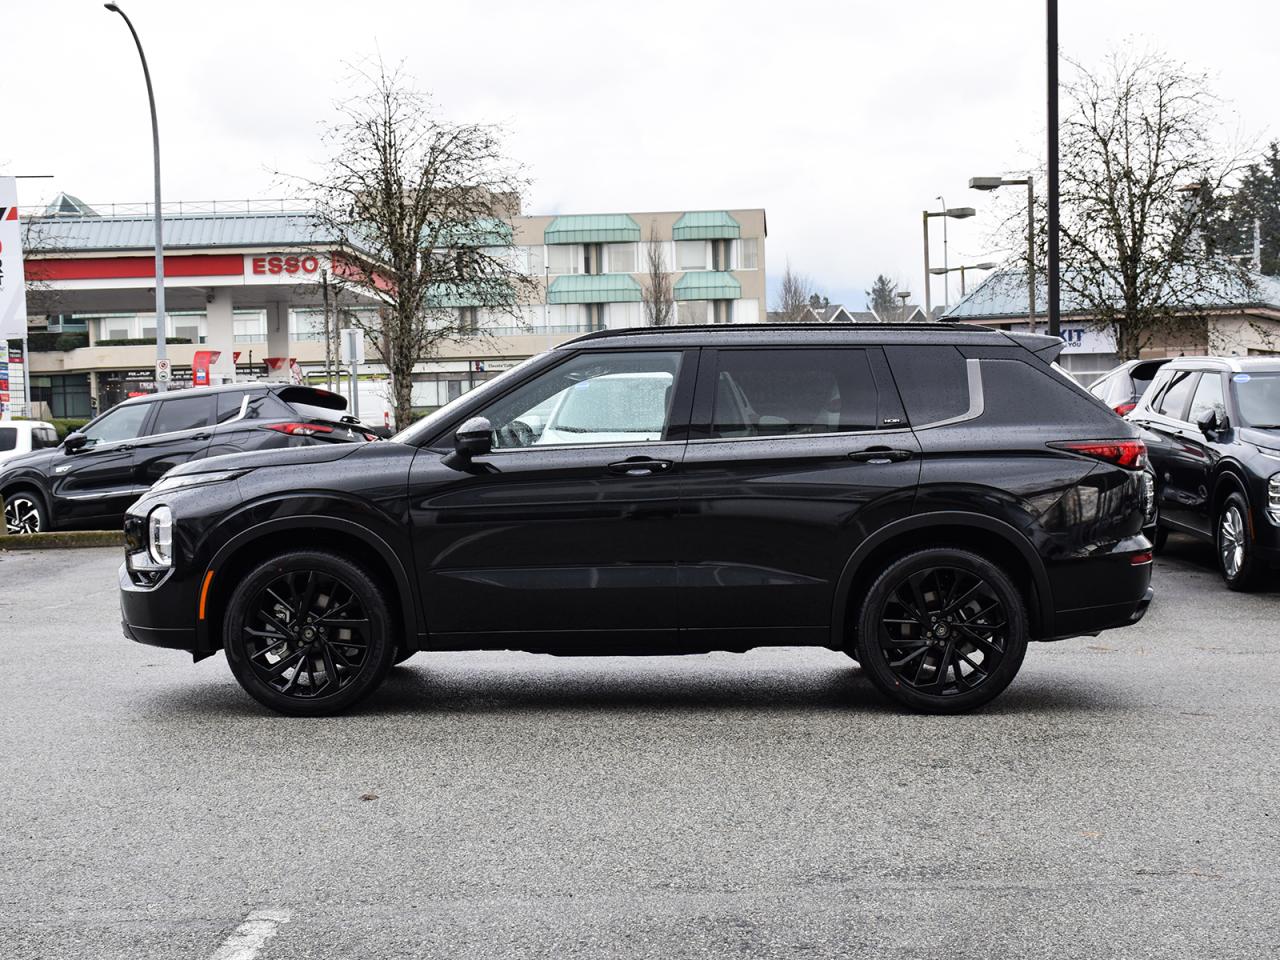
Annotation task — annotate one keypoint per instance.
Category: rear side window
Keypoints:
(8, 438)
(183, 413)
(267, 406)
(774, 393)
(933, 382)
(1018, 392)
(1174, 400)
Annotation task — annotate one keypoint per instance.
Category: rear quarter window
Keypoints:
(1015, 392)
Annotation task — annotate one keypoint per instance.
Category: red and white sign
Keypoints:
(284, 267)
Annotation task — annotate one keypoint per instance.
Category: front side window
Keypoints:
(45, 437)
(122, 423)
(1258, 399)
(771, 393)
(1208, 397)
(184, 413)
(1174, 399)
(591, 399)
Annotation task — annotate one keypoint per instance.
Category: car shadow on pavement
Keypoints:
(431, 684)
(1199, 554)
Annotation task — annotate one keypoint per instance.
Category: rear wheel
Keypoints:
(24, 513)
(1237, 555)
(308, 633)
(942, 630)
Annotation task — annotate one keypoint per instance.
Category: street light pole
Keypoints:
(161, 320)
(1051, 36)
(994, 183)
(946, 261)
(956, 213)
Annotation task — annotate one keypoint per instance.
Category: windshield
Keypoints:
(1257, 399)
(428, 424)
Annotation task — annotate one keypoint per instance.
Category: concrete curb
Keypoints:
(56, 541)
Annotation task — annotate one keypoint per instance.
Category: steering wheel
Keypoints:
(517, 433)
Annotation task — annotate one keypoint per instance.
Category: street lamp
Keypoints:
(955, 213)
(161, 321)
(995, 183)
(904, 296)
(943, 271)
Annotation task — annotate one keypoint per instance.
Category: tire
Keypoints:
(309, 664)
(24, 513)
(928, 637)
(1234, 546)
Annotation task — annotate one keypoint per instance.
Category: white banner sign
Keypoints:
(13, 292)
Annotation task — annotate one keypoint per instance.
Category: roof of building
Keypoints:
(59, 234)
(1003, 294)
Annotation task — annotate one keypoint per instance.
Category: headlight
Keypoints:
(193, 480)
(1273, 497)
(160, 536)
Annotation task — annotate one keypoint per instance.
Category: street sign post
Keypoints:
(164, 372)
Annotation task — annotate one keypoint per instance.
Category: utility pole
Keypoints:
(1051, 37)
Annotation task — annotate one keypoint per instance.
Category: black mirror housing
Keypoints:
(75, 441)
(474, 438)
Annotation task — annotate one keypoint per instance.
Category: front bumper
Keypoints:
(160, 616)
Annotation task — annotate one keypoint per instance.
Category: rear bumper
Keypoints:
(1102, 592)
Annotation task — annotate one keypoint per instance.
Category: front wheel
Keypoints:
(942, 630)
(309, 633)
(24, 513)
(1237, 554)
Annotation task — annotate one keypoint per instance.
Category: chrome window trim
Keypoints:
(174, 434)
(883, 431)
(977, 401)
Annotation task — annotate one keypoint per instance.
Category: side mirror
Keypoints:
(474, 438)
(75, 441)
(1213, 421)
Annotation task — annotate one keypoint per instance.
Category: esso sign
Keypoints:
(276, 265)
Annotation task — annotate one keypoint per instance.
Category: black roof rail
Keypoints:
(721, 328)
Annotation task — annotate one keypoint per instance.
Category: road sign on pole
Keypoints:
(164, 370)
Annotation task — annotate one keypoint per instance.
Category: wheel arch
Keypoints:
(1227, 482)
(992, 538)
(239, 554)
(27, 485)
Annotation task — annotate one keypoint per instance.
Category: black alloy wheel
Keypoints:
(942, 630)
(24, 513)
(308, 633)
(1233, 537)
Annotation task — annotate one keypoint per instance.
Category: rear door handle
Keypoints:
(639, 467)
(880, 455)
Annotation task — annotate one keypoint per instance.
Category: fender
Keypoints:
(408, 612)
(952, 518)
(1228, 476)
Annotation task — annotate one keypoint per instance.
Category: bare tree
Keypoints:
(658, 293)
(415, 204)
(793, 296)
(1140, 173)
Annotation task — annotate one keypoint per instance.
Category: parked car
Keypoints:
(926, 498)
(1122, 387)
(93, 475)
(18, 437)
(1212, 426)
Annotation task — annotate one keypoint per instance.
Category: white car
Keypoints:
(18, 437)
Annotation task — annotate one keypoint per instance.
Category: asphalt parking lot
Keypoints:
(1120, 800)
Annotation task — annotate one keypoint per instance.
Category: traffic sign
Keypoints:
(164, 370)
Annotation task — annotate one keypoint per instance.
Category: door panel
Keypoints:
(782, 481)
(179, 431)
(97, 482)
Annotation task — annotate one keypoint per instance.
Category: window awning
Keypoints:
(472, 293)
(594, 288)
(706, 225)
(593, 228)
(708, 285)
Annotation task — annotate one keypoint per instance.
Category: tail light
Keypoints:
(298, 429)
(1124, 408)
(1130, 454)
(1143, 556)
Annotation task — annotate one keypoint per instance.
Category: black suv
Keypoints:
(1212, 426)
(93, 475)
(927, 499)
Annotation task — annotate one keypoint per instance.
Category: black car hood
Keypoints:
(1261, 438)
(284, 457)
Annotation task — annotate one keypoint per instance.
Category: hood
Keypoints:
(285, 457)
(1260, 438)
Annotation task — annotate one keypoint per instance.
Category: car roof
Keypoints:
(189, 391)
(27, 424)
(793, 334)
(1232, 364)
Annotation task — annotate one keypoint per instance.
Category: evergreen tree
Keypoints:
(883, 297)
(1256, 198)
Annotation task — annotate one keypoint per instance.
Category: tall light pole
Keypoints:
(161, 321)
(904, 295)
(1051, 36)
(946, 262)
(994, 183)
(943, 271)
(955, 213)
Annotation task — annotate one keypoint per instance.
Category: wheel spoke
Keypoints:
(330, 668)
(284, 663)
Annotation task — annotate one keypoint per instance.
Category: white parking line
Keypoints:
(247, 939)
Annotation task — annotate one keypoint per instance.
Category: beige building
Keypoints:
(247, 284)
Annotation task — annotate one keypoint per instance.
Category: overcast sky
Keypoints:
(842, 119)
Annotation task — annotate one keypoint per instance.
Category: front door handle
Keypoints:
(880, 455)
(639, 467)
